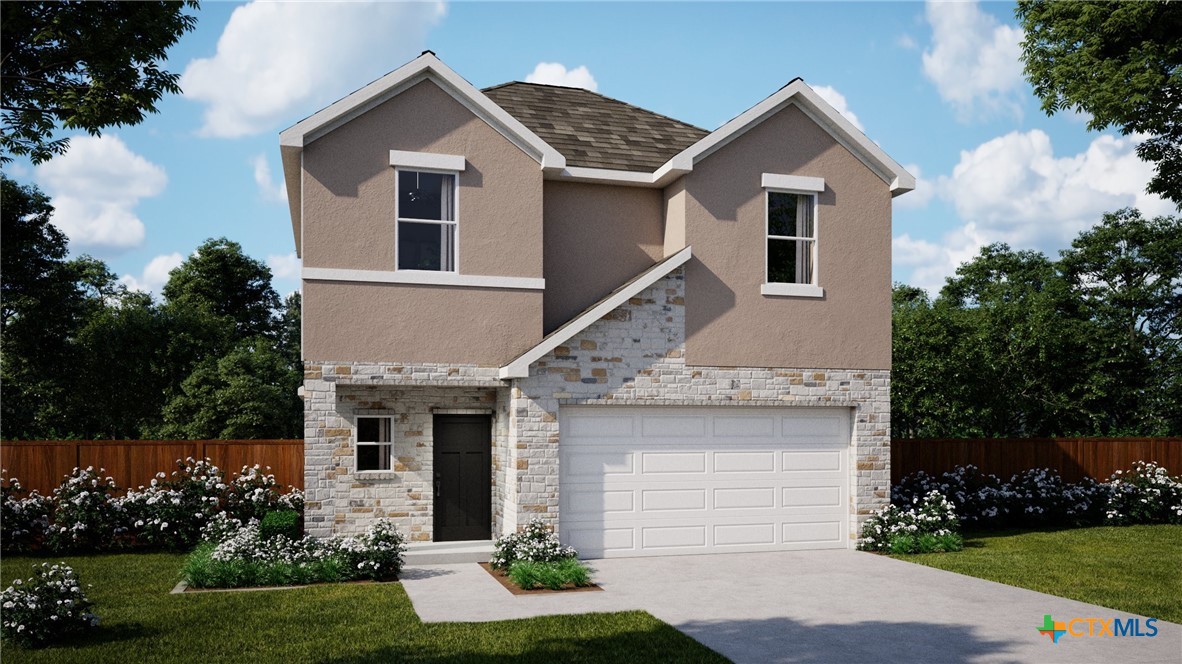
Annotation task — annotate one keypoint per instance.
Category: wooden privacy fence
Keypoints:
(41, 464)
(1074, 458)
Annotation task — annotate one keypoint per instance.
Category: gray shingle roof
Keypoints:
(595, 131)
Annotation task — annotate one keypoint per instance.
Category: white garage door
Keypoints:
(644, 481)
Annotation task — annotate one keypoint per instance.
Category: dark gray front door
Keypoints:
(463, 477)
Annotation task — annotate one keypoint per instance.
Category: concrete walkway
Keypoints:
(814, 606)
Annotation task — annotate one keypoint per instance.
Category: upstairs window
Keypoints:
(426, 220)
(791, 238)
(375, 443)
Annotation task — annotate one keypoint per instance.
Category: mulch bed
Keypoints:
(513, 587)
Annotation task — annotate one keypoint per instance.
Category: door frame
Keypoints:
(486, 457)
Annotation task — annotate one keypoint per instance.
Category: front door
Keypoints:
(463, 477)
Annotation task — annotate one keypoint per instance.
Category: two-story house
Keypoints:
(537, 301)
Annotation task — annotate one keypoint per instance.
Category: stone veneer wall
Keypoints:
(342, 500)
(636, 355)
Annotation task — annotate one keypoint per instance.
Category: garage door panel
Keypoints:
(812, 496)
(597, 464)
(664, 500)
(669, 537)
(696, 480)
(673, 426)
(744, 427)
(745, 498)
(817, 532)
(673, 462)
(745, 462)
(818, 460)
(744, 534)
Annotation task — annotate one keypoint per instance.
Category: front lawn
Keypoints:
(141, 622)
(1132, 568)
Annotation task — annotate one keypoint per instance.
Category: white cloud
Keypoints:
(274, 58)
(1014, 189)
(268, 188)
(284, 266)
(921, 195)
(974, 59)
(155, 274)
(906, 42)
(95, 187)
(553, 73)
(837, 101)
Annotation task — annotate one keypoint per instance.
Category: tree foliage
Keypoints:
(1016, 344)
(80, 356)
(1120, 62)
(82, 65)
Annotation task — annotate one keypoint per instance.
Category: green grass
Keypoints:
(554, 575)
(141, 622)
(1133, 568)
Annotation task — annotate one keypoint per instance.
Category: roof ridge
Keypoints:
(602, 96)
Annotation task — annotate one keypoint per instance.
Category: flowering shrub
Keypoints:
(537, 542)
(84, 515)
(85, 512)
(47, 607)
(236, 555)
(1145, 494)
(374, 554)
(928, 527)
(24, 516)
(254, 492)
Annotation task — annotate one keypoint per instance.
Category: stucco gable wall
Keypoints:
(349, 223)
(728, 321)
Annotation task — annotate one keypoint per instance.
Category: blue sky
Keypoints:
(937, 85)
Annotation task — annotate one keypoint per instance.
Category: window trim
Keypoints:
(800, 186)
(455, 223)
(357, 443)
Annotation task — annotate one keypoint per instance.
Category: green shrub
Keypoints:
(537, 543)
(280, 522)
(929, 527)
(554, 575)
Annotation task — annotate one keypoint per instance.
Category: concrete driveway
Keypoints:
(815, 606)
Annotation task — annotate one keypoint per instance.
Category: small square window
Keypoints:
(791, 237)
(426, 221)
(374, 443)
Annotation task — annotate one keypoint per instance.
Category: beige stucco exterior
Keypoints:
(349, 188)
(367, 322)
(675, 217)
(349, 223)
(728, 321)
(596, 238)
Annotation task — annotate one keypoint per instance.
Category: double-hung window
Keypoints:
(375, 443)
(426, 220)
(791, 235)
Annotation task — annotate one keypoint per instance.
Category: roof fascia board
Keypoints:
(805, 98)
(421, 68)
(657, 179)
(519, 368)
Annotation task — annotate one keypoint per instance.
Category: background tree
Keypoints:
(223, 280)
(251, 392)
(1127, 273)
(1121, 62)
(82, 65)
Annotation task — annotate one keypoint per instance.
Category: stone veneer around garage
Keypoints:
(636, 356)
(633, 356)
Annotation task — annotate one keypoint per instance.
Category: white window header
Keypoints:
(793, 182)
(439, 162)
